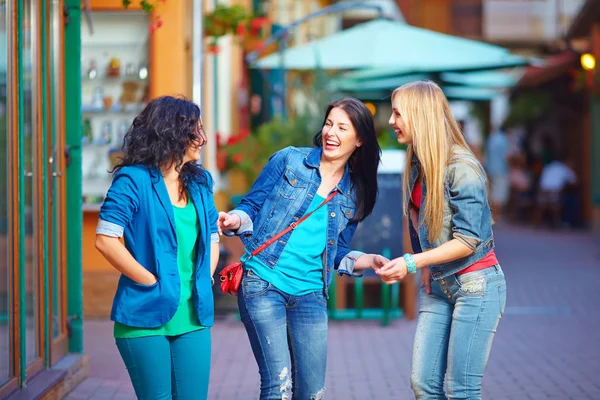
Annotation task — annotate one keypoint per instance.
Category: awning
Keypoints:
(394, 45)
(554, 67)
(458, 83)
(582, 23)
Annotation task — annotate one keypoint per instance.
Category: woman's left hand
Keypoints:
(394, 271)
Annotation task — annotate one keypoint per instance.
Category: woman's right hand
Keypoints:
(230, 222)
(149, 279)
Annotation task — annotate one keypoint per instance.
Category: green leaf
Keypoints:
(126, 3)
(146, 6)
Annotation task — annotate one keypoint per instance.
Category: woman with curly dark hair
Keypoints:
(161, 201)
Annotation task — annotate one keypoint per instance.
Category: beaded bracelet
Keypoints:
(410, 263)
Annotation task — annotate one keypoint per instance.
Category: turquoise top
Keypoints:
(300, 267)
(187, 227)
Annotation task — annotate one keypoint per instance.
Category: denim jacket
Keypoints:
(467, 214)
(282, 194)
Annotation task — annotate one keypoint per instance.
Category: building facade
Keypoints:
(41, 335)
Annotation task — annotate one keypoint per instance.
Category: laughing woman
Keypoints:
(161, 201)
(283, 295)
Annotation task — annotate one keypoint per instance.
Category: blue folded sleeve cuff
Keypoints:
(109, 229)
(247, 226)
(347, 264)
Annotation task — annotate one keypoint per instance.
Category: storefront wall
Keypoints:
(167, 52)
(39, 297)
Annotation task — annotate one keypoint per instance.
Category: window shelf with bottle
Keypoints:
(115, 88)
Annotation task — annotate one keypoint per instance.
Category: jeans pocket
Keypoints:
(472, 284)
(252, 285)
(320, 298)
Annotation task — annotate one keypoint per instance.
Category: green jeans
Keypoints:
(168, 367)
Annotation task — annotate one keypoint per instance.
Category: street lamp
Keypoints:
(588, 62)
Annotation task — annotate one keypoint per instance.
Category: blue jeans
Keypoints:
(455, 330)
(285, 331)
(168, 367)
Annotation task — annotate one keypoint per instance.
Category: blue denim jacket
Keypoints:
(467, 215)
(282, 194)
(138, 206)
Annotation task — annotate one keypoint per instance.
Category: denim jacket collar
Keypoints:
(313, 160)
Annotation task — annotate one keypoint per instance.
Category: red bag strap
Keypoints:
(293, 225)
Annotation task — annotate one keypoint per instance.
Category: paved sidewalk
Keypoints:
(547, 345)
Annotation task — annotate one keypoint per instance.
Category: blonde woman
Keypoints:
(463, 290)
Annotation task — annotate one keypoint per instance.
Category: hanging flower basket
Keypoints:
(248, 29)
(149, 7)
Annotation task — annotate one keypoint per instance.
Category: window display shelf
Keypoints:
(114, 89)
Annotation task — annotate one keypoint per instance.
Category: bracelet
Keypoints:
(410, 263)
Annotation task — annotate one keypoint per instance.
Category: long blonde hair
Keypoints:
(427, 116)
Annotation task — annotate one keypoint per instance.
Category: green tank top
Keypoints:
(187, 228)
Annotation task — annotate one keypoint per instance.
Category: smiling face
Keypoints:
(399, 125)
(339, 136)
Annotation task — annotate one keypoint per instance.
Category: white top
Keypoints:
(555, 176)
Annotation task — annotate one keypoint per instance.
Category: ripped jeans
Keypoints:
(288, 335)
(455, 330)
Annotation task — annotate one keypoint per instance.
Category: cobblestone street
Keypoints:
(546, 347)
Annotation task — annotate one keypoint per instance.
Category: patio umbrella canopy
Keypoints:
(395, 45)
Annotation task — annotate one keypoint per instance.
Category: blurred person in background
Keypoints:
(161, 202)
(284, 291)
(496, 166)
(463, 290)
(556, 180)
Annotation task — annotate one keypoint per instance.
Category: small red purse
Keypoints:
(231, 276)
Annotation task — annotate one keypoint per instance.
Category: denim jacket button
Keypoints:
(332, 214)
(331, 242)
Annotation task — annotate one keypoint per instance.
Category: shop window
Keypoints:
(29, 139)
(114, 90)
(5, 271)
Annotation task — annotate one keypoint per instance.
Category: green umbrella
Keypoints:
(395, 46)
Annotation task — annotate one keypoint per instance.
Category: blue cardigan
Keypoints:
(138, 206)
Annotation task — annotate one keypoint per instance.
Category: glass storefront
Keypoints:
(34, 267)
(5, 273)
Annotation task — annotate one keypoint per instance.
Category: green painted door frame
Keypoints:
(74, 225)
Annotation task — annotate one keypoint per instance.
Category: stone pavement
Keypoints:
(547, 345)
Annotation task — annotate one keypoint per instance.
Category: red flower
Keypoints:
(257, 23)
(241, 30)
(158, 22)
(244, 132)
(237, 158)
(213, 48)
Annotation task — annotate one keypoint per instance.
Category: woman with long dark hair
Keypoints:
(161, 202)
(283, 294)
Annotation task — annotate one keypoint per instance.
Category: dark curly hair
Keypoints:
(160, 136)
